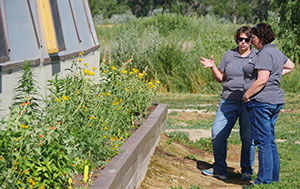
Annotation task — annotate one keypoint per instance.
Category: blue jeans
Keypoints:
(263, 117)
(228, 113)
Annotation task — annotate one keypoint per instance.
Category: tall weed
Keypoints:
(170, 47)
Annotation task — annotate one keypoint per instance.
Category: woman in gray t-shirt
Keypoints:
(264, 98)
(231, 107)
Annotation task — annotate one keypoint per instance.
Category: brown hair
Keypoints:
(264, 32)
(244, 29)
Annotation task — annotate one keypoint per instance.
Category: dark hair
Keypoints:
(244, 29)
(264, 32)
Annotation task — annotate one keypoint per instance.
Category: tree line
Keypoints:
(236, 11)
(284, 15)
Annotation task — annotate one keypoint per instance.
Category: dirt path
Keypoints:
(179, 165)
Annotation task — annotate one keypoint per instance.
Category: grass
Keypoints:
(287, 130)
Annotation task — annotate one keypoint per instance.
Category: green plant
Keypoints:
(27, 89)
(177, 136)
(81, 124)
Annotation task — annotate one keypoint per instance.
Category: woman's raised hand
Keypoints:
(208, 63)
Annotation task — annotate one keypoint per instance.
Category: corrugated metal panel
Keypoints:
(90, 18)
(71, 39)
(87, 41)
(21, 34)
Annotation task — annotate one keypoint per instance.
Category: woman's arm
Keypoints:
(287, 67)
(259, 83)
(210, 63)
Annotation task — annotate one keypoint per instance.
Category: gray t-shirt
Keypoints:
(268, 58)
(232, 65)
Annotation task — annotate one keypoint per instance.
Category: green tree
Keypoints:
(94, 6)
(289, 27)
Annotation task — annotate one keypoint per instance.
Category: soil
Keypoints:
(178, 165)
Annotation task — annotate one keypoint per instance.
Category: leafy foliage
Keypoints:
(27, 89)
(289, 27)
(82, 125)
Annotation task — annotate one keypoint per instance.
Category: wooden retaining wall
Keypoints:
(128, 169)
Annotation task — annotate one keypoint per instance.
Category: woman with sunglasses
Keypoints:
(231, 107)
(264, 98)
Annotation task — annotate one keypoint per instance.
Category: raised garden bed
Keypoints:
(128, 169)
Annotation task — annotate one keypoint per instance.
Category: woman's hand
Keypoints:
(208, 63)
(245, 99)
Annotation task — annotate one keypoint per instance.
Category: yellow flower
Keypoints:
(24, 126)
(124, 72)
(18, 182)
(105, 136)
(158, 82)
(16, 139)
(78, 92)
(131, 73)
(107, 94)
(85, 64)
(1, 158)
(103, 123)
(127, 89)
(85, 71)
(65, 98)
(118, 82)
(151, 85)
(90, 125)
(115, 103)
(105, 71)
(70, 181)
(94, 68)
(121, 99)
(114, 68)
(140, 75)
(58, 100)
(135, 70)
(26, 172)
(80, 59)
(105, 128)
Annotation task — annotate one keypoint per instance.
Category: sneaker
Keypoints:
(246, 177)
(210, 172)
(249, 186)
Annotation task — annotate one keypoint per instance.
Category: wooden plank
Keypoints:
(123, 170)
(48, 26)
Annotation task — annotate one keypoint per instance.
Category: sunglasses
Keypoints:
(247, 40)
